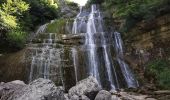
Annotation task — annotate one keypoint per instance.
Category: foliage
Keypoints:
(89, 2)
(19, 15)
(7, 21)
(41, 11)
(17, 38)
(10, 12)
(58, 26)
(72, 5)
(159, 69)
(133, 11)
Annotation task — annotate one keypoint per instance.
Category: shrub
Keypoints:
(159, 70)
(58, 26)
(17, 38)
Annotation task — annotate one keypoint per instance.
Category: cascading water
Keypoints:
(100, 56)
(90, 41)
(129, 77)
(75, 62)
(41, 29)
(79, 24)
(98, 40)
(46, 59)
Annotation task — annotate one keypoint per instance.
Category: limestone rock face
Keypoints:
(89, 87)
(103, 95)
(40, 89)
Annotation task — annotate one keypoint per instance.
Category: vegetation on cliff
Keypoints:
(133, 11)
(158, 72)
(18, 18)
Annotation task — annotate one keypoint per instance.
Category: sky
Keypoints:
(80, 2)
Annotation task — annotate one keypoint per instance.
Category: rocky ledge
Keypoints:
(44, 89)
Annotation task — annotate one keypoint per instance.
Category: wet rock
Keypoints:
(162, 92)
(73, 36)
(40, 89)
(66, 97)
(89, 87)
(103, 95)
(152, 99)
(18, 82)
(132, 96)
(7, 89)
(82, 97)
(113, 92)
(74, 97)
(164, 97)
(115, 97)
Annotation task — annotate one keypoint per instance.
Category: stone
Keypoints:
(18, 82)
(82, 97)
(162, 92)
(132, 96)
(66, 97)
(89, 87)
(103, 95)
(40, 89)
(150, 99)
(114, 97)
(113, 91)
(74, 97)
(7, 89)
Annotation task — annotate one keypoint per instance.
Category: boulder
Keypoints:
(132, 96)
(115, 97)
(7, 89)
(18, 82)
(82, 97)
(66, 97)
(40, 89)
(103, 95)
(89, 87)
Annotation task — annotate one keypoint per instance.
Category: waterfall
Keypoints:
(101, 55)
(75, 62)
(129, 77)
(93, 57)
(41, 29)
(46, 59)
(79, 24)
(95, 39)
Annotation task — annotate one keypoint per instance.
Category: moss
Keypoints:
(58, 26)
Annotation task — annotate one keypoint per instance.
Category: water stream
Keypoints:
(100, 56)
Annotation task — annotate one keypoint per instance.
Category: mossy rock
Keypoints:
(59, 26)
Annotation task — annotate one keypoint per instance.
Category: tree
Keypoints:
(10, 12)
(41, 11)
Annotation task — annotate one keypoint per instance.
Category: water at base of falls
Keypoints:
(100, 56)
